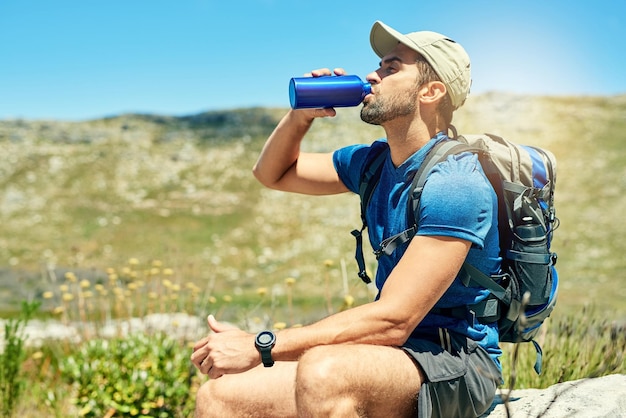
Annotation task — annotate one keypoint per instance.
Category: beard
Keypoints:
(384, 109)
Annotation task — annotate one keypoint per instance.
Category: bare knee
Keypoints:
(257, 393)
(210, 401)
(206, 400)
(322, 385)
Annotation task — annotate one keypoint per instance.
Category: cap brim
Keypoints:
(383, 38)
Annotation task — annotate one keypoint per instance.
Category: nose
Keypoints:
(373, 77)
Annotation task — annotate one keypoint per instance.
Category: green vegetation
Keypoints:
(13, 354)
(138, 375)
(111, 220)
(111, 370)
(575, 346)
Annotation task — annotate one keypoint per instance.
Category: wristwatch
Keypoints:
(264, 342)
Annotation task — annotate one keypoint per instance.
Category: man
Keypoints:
(396, 356)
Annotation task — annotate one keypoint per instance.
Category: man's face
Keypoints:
(394, 87)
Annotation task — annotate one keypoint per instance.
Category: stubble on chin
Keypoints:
(372, 113)
(381, 110)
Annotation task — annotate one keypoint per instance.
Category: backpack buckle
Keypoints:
(553, 258)
(363, 275)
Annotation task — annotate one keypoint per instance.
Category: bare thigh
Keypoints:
(259, 392)
(357, 380)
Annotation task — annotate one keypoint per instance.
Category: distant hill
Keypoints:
(85, 196)
(207, 126)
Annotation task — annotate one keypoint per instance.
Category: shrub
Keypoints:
(140, 375)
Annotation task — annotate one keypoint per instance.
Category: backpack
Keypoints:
(523, 177)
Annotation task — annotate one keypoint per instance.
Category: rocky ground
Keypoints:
(588, 398)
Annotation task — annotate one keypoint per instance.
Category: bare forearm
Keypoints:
(371, 323)
(282, 148)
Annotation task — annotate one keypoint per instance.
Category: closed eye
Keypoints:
(391, 64)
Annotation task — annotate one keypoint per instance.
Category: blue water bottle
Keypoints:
(327, 91)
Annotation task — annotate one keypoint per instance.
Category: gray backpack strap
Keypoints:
(437, 154)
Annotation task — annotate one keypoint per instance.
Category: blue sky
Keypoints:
(77, 60)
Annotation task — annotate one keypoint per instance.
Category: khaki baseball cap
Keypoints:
(448, 58)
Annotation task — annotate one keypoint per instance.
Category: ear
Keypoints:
(432, 93)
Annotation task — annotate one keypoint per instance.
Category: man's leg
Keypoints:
(357, 380)
(329, 381)
(259, 392)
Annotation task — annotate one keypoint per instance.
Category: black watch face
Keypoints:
(265, 339)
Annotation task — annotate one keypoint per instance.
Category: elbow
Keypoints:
(258, 174)
(398, 330)
(398, 335)
(398, 325)
(262, 177)
(270, 177)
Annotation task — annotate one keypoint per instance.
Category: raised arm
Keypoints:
(282, 166)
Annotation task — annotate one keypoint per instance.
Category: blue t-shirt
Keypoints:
(457, 201)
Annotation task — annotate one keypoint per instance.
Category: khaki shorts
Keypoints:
(461, 377)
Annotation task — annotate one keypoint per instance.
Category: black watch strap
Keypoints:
(266, 357)
(264, 342)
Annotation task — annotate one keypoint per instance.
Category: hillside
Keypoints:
(86, 196)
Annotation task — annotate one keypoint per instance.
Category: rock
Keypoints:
(597, 397)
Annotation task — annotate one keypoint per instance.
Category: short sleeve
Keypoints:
(457, 201)
(349, 162)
